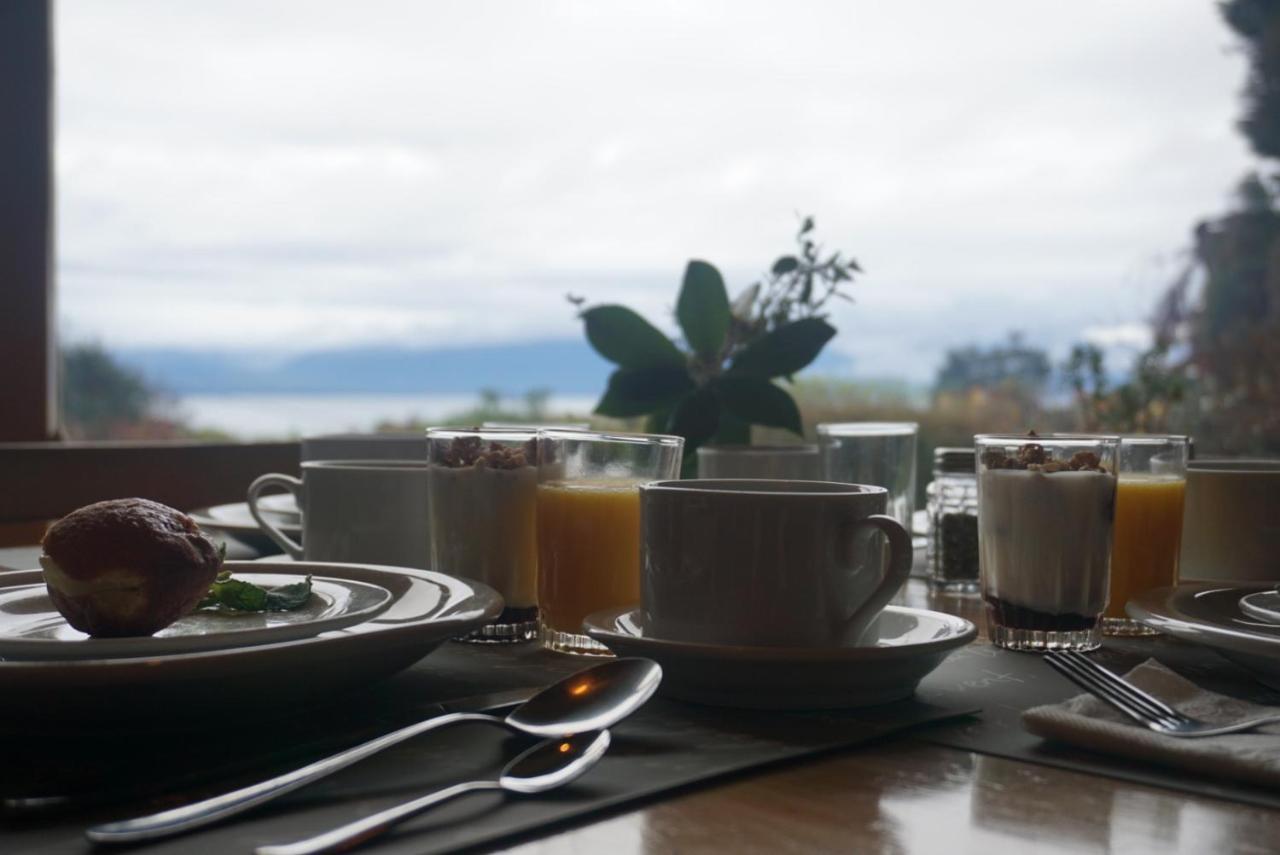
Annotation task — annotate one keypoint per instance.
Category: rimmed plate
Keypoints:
(237, 684)
(1263, 606)
(1209, 613)
(32, 628)
(903, 645)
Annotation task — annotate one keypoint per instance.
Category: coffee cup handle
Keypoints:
(901, 555)
(293, 485)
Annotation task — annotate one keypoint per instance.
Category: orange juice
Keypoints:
(588, 549)
(1146, 538)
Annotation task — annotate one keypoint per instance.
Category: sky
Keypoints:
(288, 176)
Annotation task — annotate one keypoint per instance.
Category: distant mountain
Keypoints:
(565, 367)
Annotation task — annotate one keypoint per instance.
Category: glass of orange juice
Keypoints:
(589, 526)
(1148, 528)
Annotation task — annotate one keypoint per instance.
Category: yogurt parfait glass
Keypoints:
(1046, 509)
(483, 486)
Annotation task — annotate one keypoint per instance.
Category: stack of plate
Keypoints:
(363, 622)
(1239, 621)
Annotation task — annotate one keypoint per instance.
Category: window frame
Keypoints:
(42, 478)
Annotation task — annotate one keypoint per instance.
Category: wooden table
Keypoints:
(906, 796)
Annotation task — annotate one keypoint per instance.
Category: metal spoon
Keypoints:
(592, 699)
(544, 767)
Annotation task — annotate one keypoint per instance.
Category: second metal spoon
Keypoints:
(551, 764)
(593, 699)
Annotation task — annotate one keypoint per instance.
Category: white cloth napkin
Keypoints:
(1087, 722)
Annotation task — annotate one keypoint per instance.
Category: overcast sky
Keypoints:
(294, 175)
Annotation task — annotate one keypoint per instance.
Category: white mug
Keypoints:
(767, 563)
(362, 511)
(1231, 521)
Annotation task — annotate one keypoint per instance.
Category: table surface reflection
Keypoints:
(904, 796)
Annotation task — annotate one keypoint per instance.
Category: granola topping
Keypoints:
(470, 451)
(1035, 457)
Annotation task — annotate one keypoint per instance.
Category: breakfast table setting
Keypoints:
(553, 639)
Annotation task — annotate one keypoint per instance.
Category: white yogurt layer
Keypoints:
(483, 526)
(1045, 539)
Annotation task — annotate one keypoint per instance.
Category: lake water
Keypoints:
(260, 417)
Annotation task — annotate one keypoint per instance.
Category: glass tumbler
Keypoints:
(1148, 533)
(589, 526)
(1046, 506)
(882, 454)
(482, 486)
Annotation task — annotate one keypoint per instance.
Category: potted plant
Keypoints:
(720, 378)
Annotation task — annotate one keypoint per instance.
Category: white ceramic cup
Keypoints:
(363, 511)
(766, 562)
(1231, 521)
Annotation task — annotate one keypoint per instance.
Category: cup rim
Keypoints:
(1070, 437)
(453, 432)
(660, 439)
(869, 428)
(1237, 465)
(744, 448)
(373, 465)
(739, 487)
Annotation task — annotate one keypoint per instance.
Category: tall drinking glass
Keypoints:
(1045, 512)
(483, 487)
(882, 454)
(1148, 534)
(589, 526)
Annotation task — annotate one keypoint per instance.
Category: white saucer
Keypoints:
(907, 644)
(1210, 613)
(1264, 605)
(32, 628)
(237, 685)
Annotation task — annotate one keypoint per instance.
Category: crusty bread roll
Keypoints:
(127, 566)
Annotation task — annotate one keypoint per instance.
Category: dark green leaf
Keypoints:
(703, 308)
(807, 226)
(757, 401)
(622, 336)
(786, 350)
(853, 265)
(785, 264)
(638, 391)
(696, 418)
(239, 595)
(289, 597)
(732, 430)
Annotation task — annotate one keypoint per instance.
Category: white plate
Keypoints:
(281, 504)
(32, 628)
(235, 520)
(1209, 613)
(237, 684)
(905, 645)
(1264, 605)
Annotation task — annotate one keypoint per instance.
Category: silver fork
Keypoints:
(1148, 711)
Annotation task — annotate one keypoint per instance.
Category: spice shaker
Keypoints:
(953, 521)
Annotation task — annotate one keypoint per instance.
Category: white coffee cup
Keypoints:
(1231, 521)
(363, 511)
(767, 562)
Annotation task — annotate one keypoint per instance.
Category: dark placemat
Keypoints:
(1006, 683)
(666, 746)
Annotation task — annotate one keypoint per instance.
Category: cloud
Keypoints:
(444, 173)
